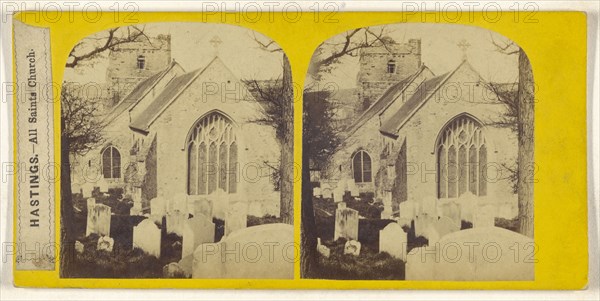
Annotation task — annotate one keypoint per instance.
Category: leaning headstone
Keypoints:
(79, 247)
(236, 217)
(346, 223)
(393, 240)
(352, 187)
(244, 254)
(175, 221)
(352, 247)
(323, 250)
(484, 217)
(198, 230)
(105, 243)
(487, 261)
(146, 236)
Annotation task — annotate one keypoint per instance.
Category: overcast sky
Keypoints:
(191, 47)
(440, 52)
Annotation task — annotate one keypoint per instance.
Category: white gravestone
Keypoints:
(338, 195)
(440, 228)
(484, 216)
(346, 223)
(158, 206)
(198, 230)
(407, 210)
(236, 217)
(352, 247)
(326, 191)
(105, 243)
(393, 240)
(220, 203)
(323, 250)
(264, 251)
(490, 257)
(146, 236)
(178, 202)
(176, 221)
(450, 209)
(256, 208)
(468, 203)
(354, 192)
(428, 206)
(98, 218)
(204, 207)
(422, 224)
(317, 192)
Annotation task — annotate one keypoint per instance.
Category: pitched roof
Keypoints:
(134, 97)
(170, 92)
(384, 101)
(391, 126)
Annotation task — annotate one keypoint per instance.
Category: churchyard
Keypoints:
(171, 240)
(424, 240)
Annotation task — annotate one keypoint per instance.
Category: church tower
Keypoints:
(383, 66)
(130, 63)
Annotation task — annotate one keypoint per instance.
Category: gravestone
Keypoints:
(352, 247)
(178, 202)
(220, 203)
(102, 184)
(105, 243)
(317, 192)
(488, 257)
(484, 216)
(236, 217)
(422, 224)
(198, 230)
(326, 190)
(137, 201)
(387, 205)
(468, 203)
(323, 250)
(98, 218)
(158, 207)
(147, 236)
(338, 194)
(86, 189)
(204, 207)
(393, 240)
(255, 208)
(352, 188)
(451, 210)
(176, 221)
(79, 247)
(265, 251)
(407, 210)
(173, 270)
(440, 228)
(346, 222)
(429, 206)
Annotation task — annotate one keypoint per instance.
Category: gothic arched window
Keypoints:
(461, 158)
(111, 163)
(361, 167)
(212, 153)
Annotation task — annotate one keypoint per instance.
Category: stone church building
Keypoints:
(174, 133)
(424, 135)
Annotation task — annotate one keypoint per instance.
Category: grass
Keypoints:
(369, 265)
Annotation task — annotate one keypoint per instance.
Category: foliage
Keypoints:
(321, 138)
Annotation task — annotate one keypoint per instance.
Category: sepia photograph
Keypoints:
(418, 156)
(179, 138)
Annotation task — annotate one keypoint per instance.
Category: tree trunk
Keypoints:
(67, 244)
(526, 167)
(308, 231)
(287, 147)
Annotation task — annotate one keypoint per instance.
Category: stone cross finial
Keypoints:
(216, 42)
(464, 46)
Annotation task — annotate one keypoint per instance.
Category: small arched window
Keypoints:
(141, 62)
(461, 159)
(391, 66)
(111, 163)
(361, 167)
